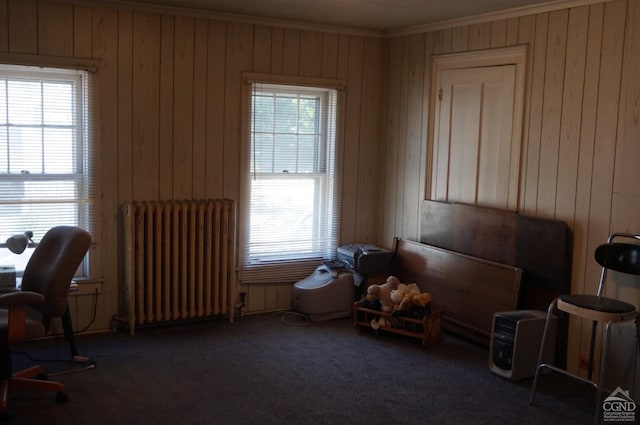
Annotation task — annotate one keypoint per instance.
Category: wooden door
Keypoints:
(475, 154)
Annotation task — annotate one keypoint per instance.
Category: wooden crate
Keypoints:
(427, 329)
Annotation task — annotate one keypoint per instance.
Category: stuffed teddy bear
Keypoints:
(408, 296)
(420, 300)
(383, 293)
(403, 290)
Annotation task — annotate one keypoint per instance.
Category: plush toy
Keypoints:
(401, 292)
(383, 293)
(408, 296)
(420, 300)
(380, 322)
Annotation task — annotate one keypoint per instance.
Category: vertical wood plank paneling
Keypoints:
(82, 31)
(283, 297)
(628, 146)
(539, 55)
(55, 28)
(105, 30)
(498, 33)
(23, 26)
(329, 55)
(460, 39)
(310, 54)
(443, 41)
(569, 149)
(269, 294)
(526, 35)
(605, 136)
(403, 106)
(4, 26)
(216, 95)
(291, 52)
(413, 153)
(606, 126)
(426, 149)
(261, 49)
(183, 107)
(512, 32)
(480, 36)
(626, 191)
(239, 59)
(581, 256)
(569, 146)
(352, 139)
(343, 65)
(145, 104)
(367, 194)
(551, 113)
(198, 162)
(382, 144)
(391, 141)
(343, 58)
(125, 100)
(277, 50)
(165, 152)
(256, 297)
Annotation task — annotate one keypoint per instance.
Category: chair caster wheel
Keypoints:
(62, 397)
(5, 416)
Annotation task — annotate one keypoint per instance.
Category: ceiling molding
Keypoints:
(299, 25)
(492, 16)
(232, 17)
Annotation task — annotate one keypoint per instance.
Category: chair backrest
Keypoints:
(621, 257)
(617, 256)
(53, 265)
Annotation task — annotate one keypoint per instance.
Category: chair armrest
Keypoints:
(17, 298)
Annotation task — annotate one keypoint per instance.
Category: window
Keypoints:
(292, 181)
(45, 170)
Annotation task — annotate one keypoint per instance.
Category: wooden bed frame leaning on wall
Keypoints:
(541, 248)
(468, 289)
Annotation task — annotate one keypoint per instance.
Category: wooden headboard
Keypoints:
(468, 289)
(542, 248)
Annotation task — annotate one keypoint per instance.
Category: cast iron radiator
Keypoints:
(178, 260)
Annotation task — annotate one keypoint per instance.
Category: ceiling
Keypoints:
(376, 15)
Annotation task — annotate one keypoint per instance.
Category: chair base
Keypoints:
(607, 320)
(565, 373)
(27, 379)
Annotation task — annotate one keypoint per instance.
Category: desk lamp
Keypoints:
(18, 243)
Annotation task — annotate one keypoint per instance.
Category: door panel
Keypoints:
(473, 143)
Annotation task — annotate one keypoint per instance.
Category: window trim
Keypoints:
(88, 94)
(272, 269)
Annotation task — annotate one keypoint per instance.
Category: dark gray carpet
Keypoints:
(260, 370)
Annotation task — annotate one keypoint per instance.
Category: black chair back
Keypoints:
(621, 257)
(53, 265)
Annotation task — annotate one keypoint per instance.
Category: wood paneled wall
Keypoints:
(581, 141)
(170, 108)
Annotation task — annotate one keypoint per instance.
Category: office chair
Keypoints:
(26, 314)
(618, 256)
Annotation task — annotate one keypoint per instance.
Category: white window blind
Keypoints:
(46, 173)
(293, 183)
